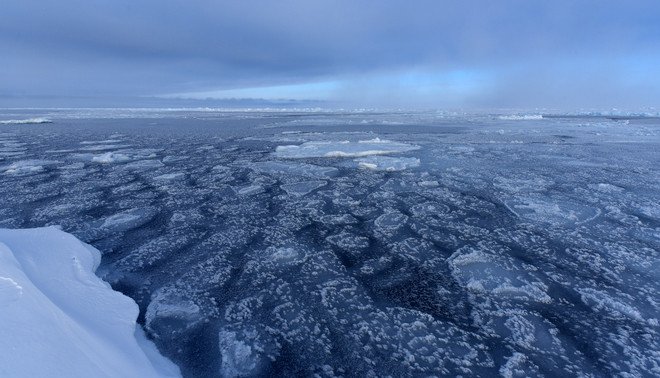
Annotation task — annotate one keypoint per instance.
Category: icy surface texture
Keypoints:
(381, 244)
(58, 319)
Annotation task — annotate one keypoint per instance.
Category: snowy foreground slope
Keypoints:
(60, 320)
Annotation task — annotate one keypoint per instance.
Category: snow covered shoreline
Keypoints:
(59, 319)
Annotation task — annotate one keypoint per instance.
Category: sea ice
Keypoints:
(492, 259)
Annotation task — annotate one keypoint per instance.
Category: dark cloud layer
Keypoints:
(533, 53)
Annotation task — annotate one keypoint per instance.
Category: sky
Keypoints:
(390, 54)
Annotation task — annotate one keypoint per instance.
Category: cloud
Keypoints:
(121, 47)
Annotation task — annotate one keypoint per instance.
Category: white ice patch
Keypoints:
(518, 365)
(293, 169)
(484, 273)
(519, 185)
(606, 188)
(602, 301)
(558, 211)
(651, 211)
(105, 141)
(250, 190)
(60, 320)
(284, 256)
(391, 220)
(72, 166)
(521, 117)
(428, 184)
(173, 159)
(103, 147)
(343, 149)
(144, 164)
(348, 241)
(169, 177)
(386, 163)
(23, 167)
(110, 157)
(299, 189)
(25, 121)
(239, 359)
(126, 220)
(166, 304)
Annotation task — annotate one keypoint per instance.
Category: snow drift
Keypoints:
(58, 319)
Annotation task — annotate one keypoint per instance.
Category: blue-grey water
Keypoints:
(475, 245)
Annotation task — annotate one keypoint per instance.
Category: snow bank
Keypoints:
(25, 121)
(58, 319)
(374, 146)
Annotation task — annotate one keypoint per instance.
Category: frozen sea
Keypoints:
(261, 243)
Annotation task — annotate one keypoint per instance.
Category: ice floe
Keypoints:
(521, 117)
(25, 121)
(386, 163)
(23, 167)
(294, 169)
(110, 157)
(302, 188)
(558, 211)
(374, 146)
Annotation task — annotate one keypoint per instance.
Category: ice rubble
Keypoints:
(59, 319)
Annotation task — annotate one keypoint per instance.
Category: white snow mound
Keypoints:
(58, 319)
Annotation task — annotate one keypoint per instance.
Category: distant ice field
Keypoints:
(360, 243)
